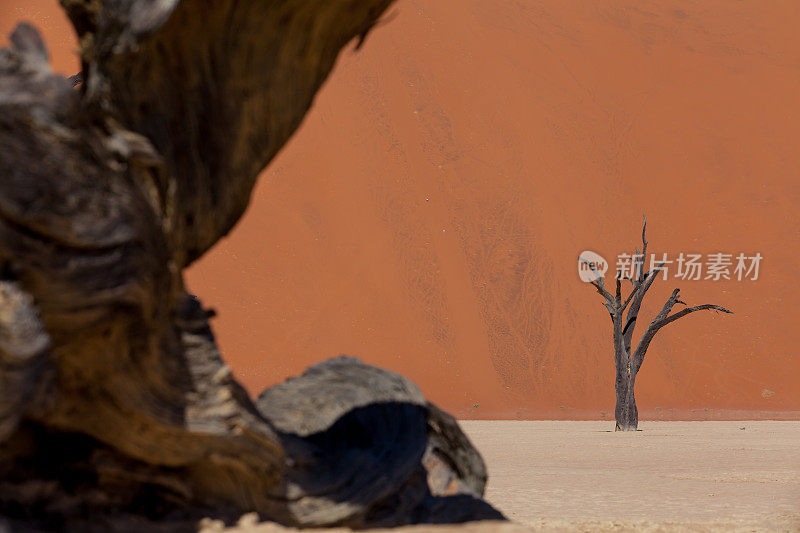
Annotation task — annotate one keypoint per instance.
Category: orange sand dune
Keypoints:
(428, 214)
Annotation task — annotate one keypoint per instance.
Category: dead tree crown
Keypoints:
(628, 362)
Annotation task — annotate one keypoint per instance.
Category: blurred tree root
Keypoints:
(116, 409)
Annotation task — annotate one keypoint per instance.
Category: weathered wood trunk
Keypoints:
(114, 400)
(625, 412)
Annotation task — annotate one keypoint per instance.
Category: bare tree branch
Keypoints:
(638, 291)
(602, 291)
(600, 286)
(662, 319)
(636, 297)
(688, 310)
(640, 288)
(642, 272)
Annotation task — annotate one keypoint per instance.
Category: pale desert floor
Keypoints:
(669, 477)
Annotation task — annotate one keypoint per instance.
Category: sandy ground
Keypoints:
(669, 477)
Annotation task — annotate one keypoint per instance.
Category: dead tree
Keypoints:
(114, 400)
(627, 362)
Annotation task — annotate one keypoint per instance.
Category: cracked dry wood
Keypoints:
(114, 400)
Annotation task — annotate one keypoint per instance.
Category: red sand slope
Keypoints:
(428, 215)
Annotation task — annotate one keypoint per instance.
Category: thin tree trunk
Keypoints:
(625, 412)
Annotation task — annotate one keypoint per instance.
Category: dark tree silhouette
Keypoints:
(114, 401)
(627, 362)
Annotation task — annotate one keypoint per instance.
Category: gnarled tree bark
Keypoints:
(627, 362)
(114, 400)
